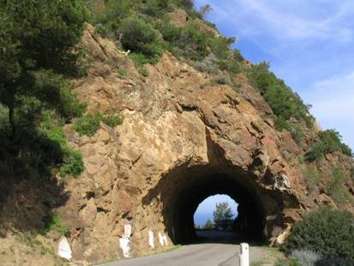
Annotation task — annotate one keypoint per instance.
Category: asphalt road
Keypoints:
(216, 248)
(192, 255)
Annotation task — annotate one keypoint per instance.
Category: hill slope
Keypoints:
(198, 119)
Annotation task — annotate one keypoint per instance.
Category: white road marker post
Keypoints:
(244, 254)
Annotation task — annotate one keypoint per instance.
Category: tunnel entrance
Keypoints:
(250, 222)
(179, 193)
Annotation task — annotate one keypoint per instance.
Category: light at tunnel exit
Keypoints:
(206, 208)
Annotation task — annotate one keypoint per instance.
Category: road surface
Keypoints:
(208, 254)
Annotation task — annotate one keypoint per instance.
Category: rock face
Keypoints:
(184, 137)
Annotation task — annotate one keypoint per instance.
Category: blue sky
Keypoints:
(206, 208)
(309, 44)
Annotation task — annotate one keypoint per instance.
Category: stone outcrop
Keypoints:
(181, 131)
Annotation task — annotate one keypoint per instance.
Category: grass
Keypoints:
(271, 256)
(31, 240)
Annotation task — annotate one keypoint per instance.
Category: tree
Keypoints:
(223, 215)
(140, 37)
(205, 10)
(37, 38)
(208, 225)
(188, 4)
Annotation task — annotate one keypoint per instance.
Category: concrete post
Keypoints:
(244, 255)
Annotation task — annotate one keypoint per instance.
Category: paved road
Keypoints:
(191, 255)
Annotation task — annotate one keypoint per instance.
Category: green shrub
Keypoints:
(109, 16)
(305, 257)
(4, 121)
(70, 107)
(336, 261)
(139, 61)
(325, 231)
(190, 42)
(346, 150)
(228, 58)
(72, 163)
(155, 8)
(169, 31)
(112, 120)
(55, 223)
(88, 124)
(231, 65)
(336, 188)
(204, 48)
(284, 102)
(329, 141)
(316, 152)
(140, 37)
(221, 46)
(188, 4)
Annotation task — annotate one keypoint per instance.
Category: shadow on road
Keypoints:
(223, 237)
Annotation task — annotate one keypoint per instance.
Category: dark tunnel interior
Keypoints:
(189, 191)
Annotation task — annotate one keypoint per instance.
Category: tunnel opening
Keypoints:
(181, 190)
(215, 219)
(251, 218)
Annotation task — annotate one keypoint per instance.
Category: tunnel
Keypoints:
(184, 188)
(251, 215)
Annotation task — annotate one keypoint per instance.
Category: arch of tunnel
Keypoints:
(183, 189)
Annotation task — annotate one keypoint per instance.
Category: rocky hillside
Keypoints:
(197, 119)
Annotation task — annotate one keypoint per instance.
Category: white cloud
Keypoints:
(333, 104)
(285, 20)
(333, 98)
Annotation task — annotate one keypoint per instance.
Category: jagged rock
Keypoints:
(183, 138)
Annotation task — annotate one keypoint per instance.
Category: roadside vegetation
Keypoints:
(324, 237)
(35, 94)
